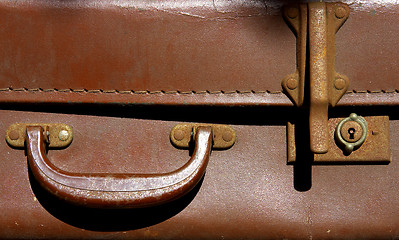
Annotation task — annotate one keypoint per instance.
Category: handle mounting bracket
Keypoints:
(58, 135)
(223, 136)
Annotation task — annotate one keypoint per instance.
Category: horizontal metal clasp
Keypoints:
(58, 135)
(352, 140)
(223, 136)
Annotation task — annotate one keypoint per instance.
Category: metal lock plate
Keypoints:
(59, 135)
(375, 149)
(223, 136)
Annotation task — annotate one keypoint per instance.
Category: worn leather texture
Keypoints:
(181, 45)
(124, 73)
(248, 191)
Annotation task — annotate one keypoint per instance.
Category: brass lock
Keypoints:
(351, 132)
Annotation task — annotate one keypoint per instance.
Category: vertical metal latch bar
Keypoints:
(315, 85)
(319, 78)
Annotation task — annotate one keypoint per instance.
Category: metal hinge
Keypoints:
(316, 86)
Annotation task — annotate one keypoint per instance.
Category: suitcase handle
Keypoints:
(100, 190)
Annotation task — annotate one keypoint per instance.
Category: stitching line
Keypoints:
(114, 91)
(132, 91)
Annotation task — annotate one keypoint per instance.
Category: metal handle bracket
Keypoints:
(57, 135)
(223, 136)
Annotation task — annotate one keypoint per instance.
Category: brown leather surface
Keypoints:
(248, 191)
(181, 45)
(206, 53)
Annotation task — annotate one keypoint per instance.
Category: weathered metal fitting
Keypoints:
(315, 25)
(351, 132)
(223, 136)
(375, 149)
(57, 135)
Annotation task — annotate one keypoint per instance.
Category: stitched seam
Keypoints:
(132, 91)
(114, 91)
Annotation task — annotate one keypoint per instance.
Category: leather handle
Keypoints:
(117, 190)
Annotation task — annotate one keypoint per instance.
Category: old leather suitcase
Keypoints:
(290, 148)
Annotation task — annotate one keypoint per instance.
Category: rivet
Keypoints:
(179, 135)
(63, 135)
(339, 83)
(340, 12)
(292, 12)
(14, 135)
(292, 83)
(227, 136)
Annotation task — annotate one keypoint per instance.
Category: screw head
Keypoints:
(351, 131)
(339, 83)
(63, 135)
(227, 136)
(292, 83)
(340, 12)
(178, 135)
(13, 135)
(292, 12)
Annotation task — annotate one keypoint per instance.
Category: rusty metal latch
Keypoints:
(315, 84)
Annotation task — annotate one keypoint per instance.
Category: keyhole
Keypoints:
(351, 132)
